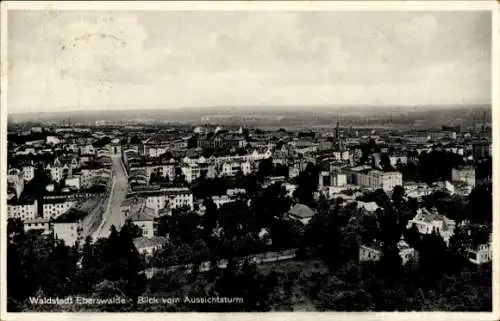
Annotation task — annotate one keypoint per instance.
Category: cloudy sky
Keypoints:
(61, 61)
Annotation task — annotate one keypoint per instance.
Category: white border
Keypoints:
(492, 6)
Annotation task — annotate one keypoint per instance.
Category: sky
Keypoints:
(96, 60)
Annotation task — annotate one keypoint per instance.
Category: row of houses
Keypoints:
(69, 220)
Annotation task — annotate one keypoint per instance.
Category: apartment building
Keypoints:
(156, 202)
(91, 173)
(87, 149)
(57, 170)
(331, 179)
(25, 211)
(191, 172)
(44, 226)
(28, 173)
(377, 179)
(56, 206)
(179, 197)
(352, 173)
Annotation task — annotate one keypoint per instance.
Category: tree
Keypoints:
(265, 168)
(102, 142)
(385, 162)
(479, 207)
(211, 215)
(412, 236)
(390, 261)
(308, 184)
(131, 229)
(134, 140)
(15, 227)
(433, 256)
(398, 194)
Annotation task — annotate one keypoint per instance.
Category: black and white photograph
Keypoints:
(247, 159)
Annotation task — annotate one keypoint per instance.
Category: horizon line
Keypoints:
(249, 106)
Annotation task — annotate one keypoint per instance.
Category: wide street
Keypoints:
(112, 215)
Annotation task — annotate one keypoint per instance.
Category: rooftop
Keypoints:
(144, 242)
(142, 215)
(369, 206)
(71, 216)
(302, 211)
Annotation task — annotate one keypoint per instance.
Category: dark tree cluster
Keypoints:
(39, 265)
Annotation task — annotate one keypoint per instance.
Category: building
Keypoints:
(55, 207)
(352, 173)
(339, 180)
(149, 245)
(87, 149)
(417, 190)
(38, 224)
(132, 205)
(156, 201)
(25, 210)
(180, 197)
(481, 149)
(324, 179)
(232, 168)
(398, 159)
(378, 179)
(28, 173)
(236, 191)
(406, 252)
(145, 219)
(221, 200)
(79, 221)
(191, 172)
(52, 140)
(370, 207)
(427, 222)
(373, 252)
(73, 181)
(480, 254)
(68, 228)
(301, 213)
(15, 181)
(57, 170)
(465, 174)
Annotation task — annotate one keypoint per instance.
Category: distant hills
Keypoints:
(279, 115)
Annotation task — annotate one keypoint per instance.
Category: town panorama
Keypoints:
(235, 157)
(331, 212)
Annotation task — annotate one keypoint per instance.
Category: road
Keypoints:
(119, 189)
